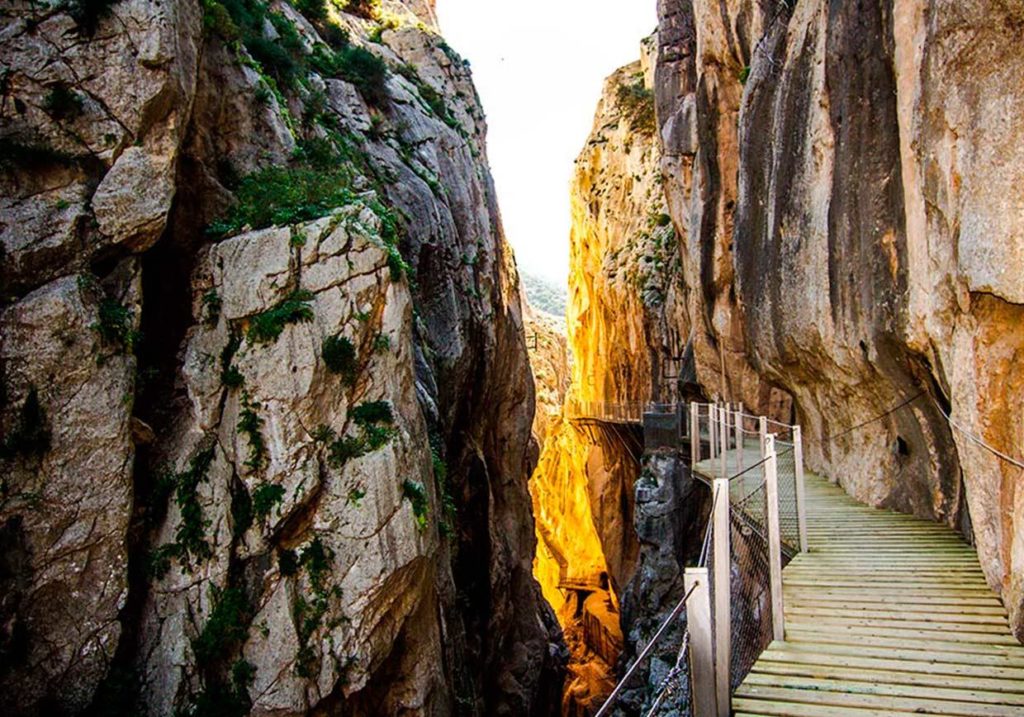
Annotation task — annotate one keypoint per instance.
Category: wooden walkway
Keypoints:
(886, 616)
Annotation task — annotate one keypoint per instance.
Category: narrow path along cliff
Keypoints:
(282, 434)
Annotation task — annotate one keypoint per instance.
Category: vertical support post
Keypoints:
(762, 431)
(713, 428)
(702, 661)
(723, 598)
(801, 505)
(738, 417)
(694, 433)
(774, 539)
(723, 432)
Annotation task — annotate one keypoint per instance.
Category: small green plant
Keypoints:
(373, 412)
(217, 20)
(278, 196)
(377, 129)
(189, 537)
(374, 421)
(115, 325)
(448, 509)
(323, 434)
(416, 494)
(308, 615)
(636, 102)
(339, 355)
(212, 305)
(230, 376)
(744, 75)
(30, 438)
(250, 423)
(344, 449)
(314, 10)
(433, 99)
(62, 103)
(226, 628)
(295, 308)
(265, 497)
(382, 344)
(355, 497)
(369, 9)
(362, 68)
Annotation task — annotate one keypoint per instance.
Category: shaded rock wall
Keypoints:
(241, 522)
(847, 179)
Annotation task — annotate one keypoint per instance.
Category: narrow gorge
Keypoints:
(283, 433)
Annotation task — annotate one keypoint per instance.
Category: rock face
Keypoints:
(848, 183)
(266, 408)
(625, 305)
(625, 288)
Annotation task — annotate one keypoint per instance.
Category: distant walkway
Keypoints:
(885, 616)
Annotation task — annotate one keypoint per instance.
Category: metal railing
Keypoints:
(756, 522)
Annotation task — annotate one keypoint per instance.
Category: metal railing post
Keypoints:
(694, 433)
(801, 505)
(702, 661)
(762, 434)
(712, 428)
(774, 539)
(738, 417)
(723, 598)
(724, 434)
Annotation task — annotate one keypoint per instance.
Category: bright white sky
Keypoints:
(539, 66)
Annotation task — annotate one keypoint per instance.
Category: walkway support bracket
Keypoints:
(702, 662)
(774, 541)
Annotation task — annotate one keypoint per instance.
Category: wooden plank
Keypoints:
(799, 634)
(911, 651)
(920, 664)
(942, 693)
(916, 705)
(912, 633)
(854, 606)
(914, 616)
(885, 615)
(745, 705)
(892, 677)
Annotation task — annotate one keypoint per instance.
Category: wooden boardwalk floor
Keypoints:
(887, 615)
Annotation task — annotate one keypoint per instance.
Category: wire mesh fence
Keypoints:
(750, 619)
(789, 520)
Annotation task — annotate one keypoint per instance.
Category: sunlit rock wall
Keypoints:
(626, 325)
(848, 180)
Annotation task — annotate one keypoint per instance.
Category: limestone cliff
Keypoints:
(848, 180)
(625, 283)
(266, 403)
(624, 295)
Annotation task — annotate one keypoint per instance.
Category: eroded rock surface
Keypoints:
(267, 405)
(847, 178)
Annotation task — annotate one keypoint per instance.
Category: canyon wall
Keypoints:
(625, 294)
(847, 178)
(266, 403)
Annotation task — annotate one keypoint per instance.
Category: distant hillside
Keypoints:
(545, 295)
